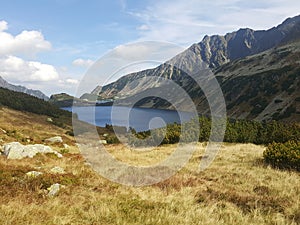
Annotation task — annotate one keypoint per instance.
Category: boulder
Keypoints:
(56, 139)
(15, 150)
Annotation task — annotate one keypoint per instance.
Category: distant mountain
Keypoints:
(36, 93)
(258, 72)
(65, 100)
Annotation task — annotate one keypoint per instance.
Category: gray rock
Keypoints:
(56, 139)
(15, 150)
(54, 189)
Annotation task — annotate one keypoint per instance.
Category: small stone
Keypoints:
(56, 139)
(105, 135)
(104, 142)
(3, 131)
(57, 170)
(66, 146)
(33, 174)
(54, 189)
(49, 120)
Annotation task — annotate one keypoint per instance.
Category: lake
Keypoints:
(140, 119)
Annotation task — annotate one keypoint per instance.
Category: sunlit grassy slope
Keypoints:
(236, 189)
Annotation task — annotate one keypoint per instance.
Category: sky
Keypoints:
(50, 44)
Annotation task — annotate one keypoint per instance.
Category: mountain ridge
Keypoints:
(22, 89)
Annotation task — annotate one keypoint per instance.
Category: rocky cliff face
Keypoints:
(218, 50)
(36, 93)
(263, 63)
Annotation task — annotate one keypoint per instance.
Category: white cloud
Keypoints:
(3, 25)
(17, 70)
(72, 81)
(146, 50)
(143, 27)
(83, 62)
(17, 66)
(27, 43)
(186, 22)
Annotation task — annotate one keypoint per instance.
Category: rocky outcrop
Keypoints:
(15, 150)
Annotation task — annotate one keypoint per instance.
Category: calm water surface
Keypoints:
(138, 118)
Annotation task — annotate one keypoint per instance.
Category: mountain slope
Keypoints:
(27, 103)
(264, 86)
(245, 62)
(36, 93)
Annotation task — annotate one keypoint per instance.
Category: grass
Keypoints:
(236, 189)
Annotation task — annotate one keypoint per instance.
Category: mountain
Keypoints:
(61, 100)
(257, 71)
(36, 93)
(66, 100)
(218, 50)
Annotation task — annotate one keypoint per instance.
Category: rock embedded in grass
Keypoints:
(33, 174)
(57, 170)
(56, 139)
(54, 189)
(16, 150)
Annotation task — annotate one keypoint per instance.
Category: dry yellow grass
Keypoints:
(236, 189)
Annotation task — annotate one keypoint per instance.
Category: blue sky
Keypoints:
(49, 45)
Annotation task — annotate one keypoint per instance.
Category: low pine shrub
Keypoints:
(283, 155)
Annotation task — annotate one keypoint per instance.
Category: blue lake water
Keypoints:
(140, 119)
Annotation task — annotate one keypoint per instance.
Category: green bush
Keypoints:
(283, 155)
(112, 140)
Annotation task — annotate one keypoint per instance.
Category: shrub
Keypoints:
(112, 140)
(283, 155)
